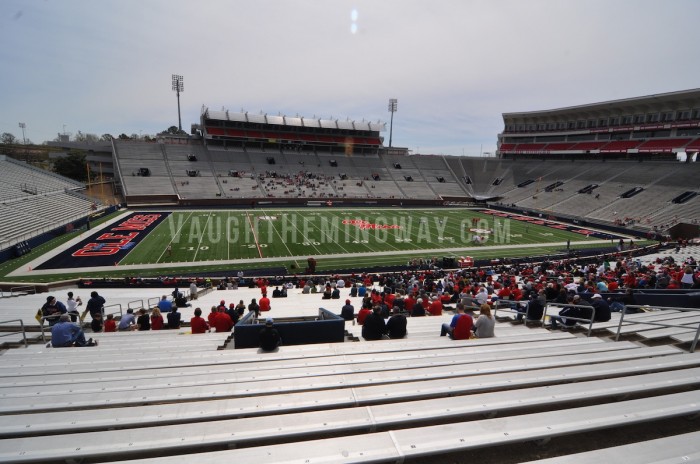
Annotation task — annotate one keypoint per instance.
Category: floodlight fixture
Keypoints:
(178, 86)
(393, 103)
(23, 126)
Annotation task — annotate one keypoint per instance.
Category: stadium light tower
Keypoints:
(392, 108)
(178, 87)
(23, 126)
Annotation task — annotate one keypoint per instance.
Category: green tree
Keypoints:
(71, 166)
(9, 139)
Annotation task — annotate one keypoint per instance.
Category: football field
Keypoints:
(360, 235)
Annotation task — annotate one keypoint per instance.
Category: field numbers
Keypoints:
(311, 243)
(202, 248)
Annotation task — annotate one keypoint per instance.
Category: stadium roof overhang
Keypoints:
(296, 121)
(685, 99)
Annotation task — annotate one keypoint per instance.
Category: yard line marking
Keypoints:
(289, 252)
(254, 235)
(199, 245)
(172, 237)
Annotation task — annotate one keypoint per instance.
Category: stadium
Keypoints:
(581, 196)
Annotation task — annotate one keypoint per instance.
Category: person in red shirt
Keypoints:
(264, 303)
(197, 323)
(110, 324)
(212, 315)
(222, 322)
(409, 302)
(435, 307)
(362, 315)
(156, 319)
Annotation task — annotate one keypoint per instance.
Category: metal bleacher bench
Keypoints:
(674, 449)
(393, 445)
(278, 380)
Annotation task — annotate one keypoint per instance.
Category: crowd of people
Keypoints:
(389, 298)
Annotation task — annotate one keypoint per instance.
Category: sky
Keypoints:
(455, 66)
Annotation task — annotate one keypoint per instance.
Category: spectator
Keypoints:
(435, 308)
(418, 310)
(347, 312)
(211, 317)
(327, 292)
(374, 326)
(276, 293)
(532, 311)
(601, 307)
(571, 315)
(362, 315)
(620, 303)
(460, 326)
(66, 333)
(232, 313)
(174, 318)
(222, 322)
(128, 321)
(264, 303)
(156, 319)
(254, 308)
(143, 322)
(335, 294)
(110, 324)
(485, 323)
(193, 290)
(197, 323)
(396, 326)
(52, 310)
(95, 306)
(240, 308)
(269, 337)
(165, 305)
(72, 307)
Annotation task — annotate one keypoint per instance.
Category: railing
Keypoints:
(661, 324)
(511, 307)
(153, 301)
(577, 319)
(21, 331)
(24, 289)
(137, 304)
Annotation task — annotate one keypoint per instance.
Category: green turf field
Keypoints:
(379, 235)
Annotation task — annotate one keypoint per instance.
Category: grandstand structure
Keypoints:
(34, 201)
(655, 126)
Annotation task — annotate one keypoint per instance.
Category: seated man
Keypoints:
(174, 319)
(532, 311)
(580, 311)
(348, 311)
(460, 326)
(65, 334)
(128, 321)
(374, 326)
(164, 304)
(396, 326)
(269, 337)
(602, 309)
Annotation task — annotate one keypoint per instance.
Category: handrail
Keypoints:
(22, 330)
(577, 319)
(660, 324)
(29, 287)
(151, 300)
(128, 305)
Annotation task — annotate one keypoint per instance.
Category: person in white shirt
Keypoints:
(72, 307)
